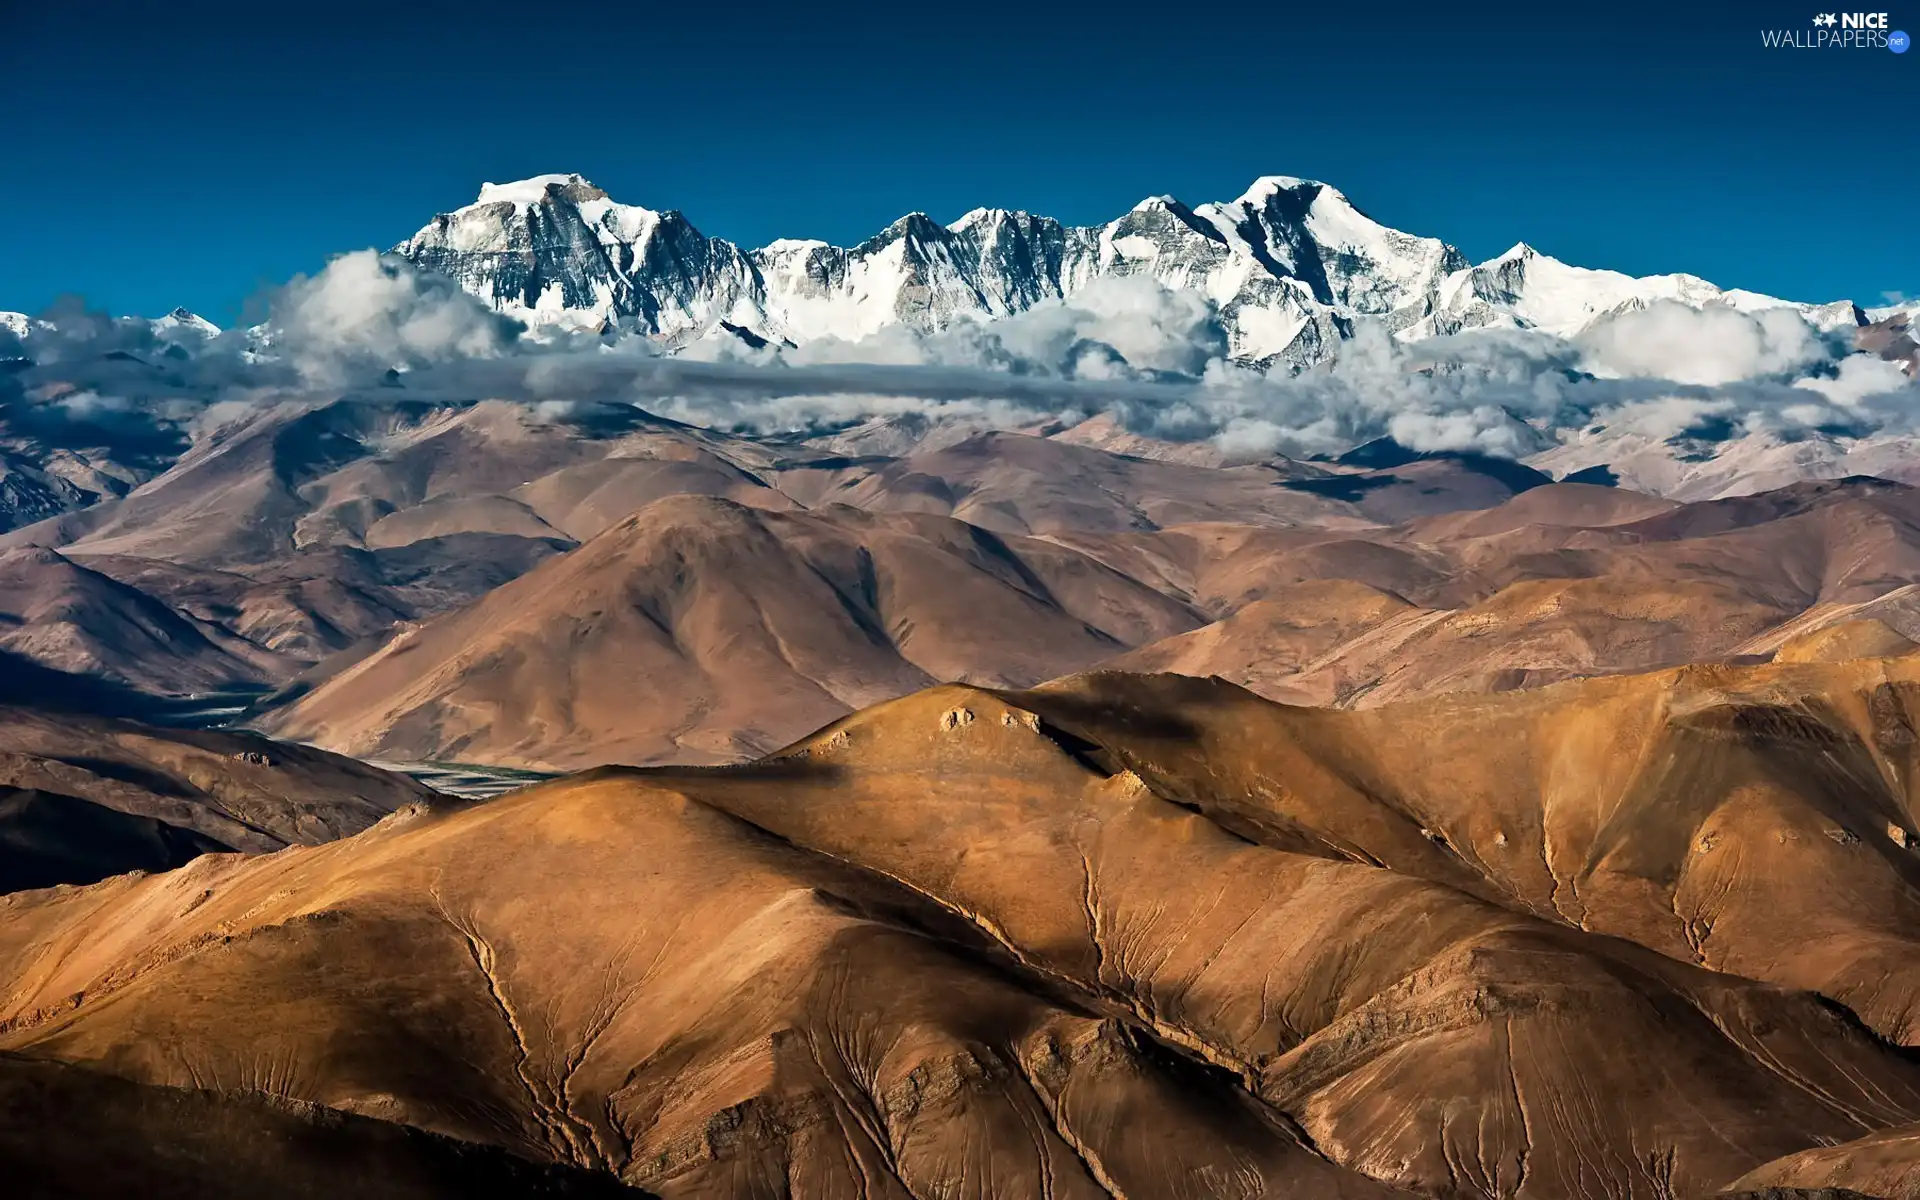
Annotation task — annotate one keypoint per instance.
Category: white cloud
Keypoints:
(1116, 328)
(1153, 357)
(1705, 346)
(1858, 378)
(367, 309)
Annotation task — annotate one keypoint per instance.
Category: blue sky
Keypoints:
(194, 154)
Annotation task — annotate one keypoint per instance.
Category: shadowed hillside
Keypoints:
(1116, 936)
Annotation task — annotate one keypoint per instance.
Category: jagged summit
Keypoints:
(1292, 266)
(1152, 203)
(185, 320)
(1265, 186)
(976, 217)
(537, 189)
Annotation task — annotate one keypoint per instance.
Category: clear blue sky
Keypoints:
(190, 153)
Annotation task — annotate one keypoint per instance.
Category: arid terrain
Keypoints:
(1120, 935)
(483, 583)
(778, 603)
(952, 813)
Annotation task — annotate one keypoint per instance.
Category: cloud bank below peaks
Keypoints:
(1153, 357)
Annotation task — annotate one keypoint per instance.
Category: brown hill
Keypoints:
(1275, 645)
(207, 789)
(1122, 936)
(1104, 431)
(699, 629)
(1561, 582)
(312, 527)
(48, 839)
(1021, 484)
(744, 645)
(1374, 651)
(307, 527)
(1864, 637)
(64, 616)
(67, 1133)
(1884, 1165)
(1552, 505)
(1757, 820)
(1399, 485)
(307, 540)
(166, 629)
(299, 472)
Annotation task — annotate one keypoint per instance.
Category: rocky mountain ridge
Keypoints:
(1290, 266)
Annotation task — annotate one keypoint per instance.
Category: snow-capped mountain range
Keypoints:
(176, 324)
(1291, 265)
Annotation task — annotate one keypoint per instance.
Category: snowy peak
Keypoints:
(1349, 261)
(538, 190)
(915, 227)
(177, 325)
(988, 218)
(1268, 186)
(1525, 288)
(1291, 266)
(182, 320)
(556, 250)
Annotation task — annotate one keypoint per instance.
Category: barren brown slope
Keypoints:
(1840, 541)
(284, 548)
(1835, 541)
(1104, 431)
(63, 616)
(317, 601)
(1274, 645)
(307, 617)
(48, 839)
(702, 630)
(1846, 638)
(1221, 566)
(1019, 484)
(1562, 581)
(745, 646)
(1407, 486)
(233, 498)
(1550, 506)
(1849, 542)
(241, 791)
(71, 1134)
(511, 469)
(943, 948)
(1760, 821)
(1526, 635)
(313, 523)
(302, 471)
(762, 1021)
(1883, 1165)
